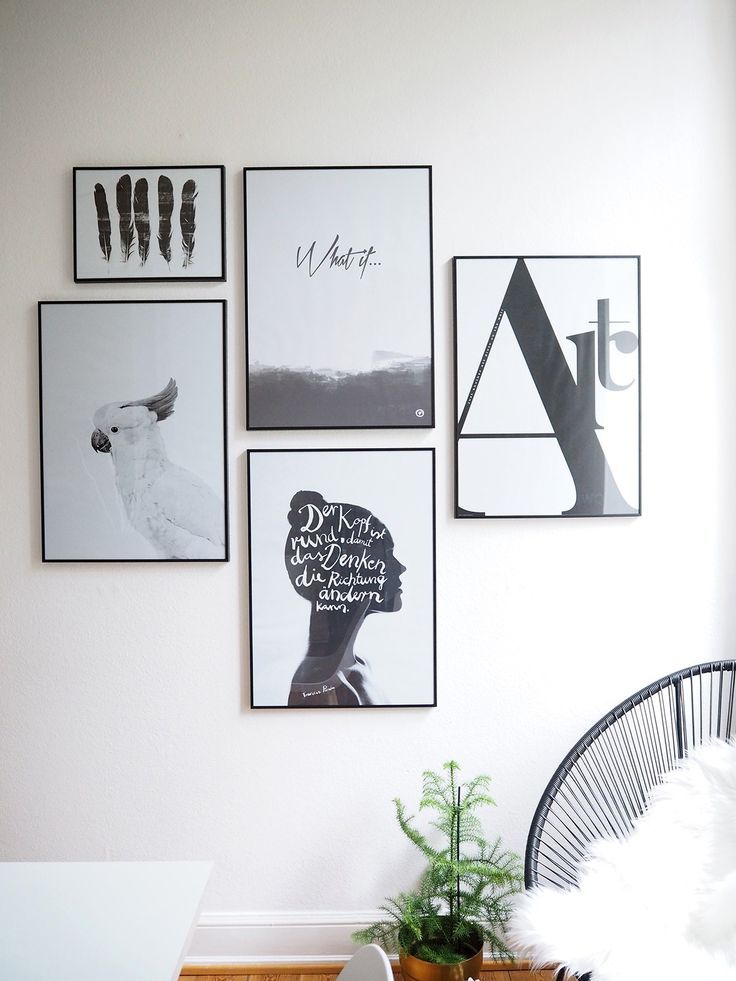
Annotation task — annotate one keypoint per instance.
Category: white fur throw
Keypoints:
(659, 905)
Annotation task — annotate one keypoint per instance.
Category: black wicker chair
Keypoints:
(601, 786)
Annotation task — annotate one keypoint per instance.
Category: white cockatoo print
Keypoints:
(169, 506)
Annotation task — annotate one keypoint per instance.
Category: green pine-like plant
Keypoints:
(463, 897)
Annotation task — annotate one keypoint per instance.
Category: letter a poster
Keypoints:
(342, 578)
(547, 386)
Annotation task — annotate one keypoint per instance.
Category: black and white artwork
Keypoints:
(339, 297)
(342, 579)
(133, 224)
(133, 431)
(547, 386)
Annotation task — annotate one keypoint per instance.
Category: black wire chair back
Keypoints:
(601, 787)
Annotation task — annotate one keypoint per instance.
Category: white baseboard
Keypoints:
(276, 938)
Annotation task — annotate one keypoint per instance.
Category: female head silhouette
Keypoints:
(340, 558)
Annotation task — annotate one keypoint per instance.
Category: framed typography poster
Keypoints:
(342, 578)
(547, 386)
(338, 274)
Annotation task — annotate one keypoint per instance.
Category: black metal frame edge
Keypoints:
(456, 438)
(288, 429)
(351, 449)
(344, 167)
(560, 255)
(226, 477)
(157, 279)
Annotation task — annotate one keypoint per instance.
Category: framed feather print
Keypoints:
(149, 224)
(342, 578)
(133, 431)
(339, 297)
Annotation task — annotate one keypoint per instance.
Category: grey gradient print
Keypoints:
(397, 394)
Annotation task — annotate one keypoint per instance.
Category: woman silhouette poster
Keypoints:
(335, 537)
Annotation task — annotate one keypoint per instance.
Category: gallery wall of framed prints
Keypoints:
(339, 334)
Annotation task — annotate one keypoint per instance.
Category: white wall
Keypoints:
(553, 126)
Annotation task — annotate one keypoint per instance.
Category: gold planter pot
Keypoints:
(415, 969)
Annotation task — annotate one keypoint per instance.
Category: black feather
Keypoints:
(186, 220)
(127, 234)
(142, 220)
(103, 221)
(165, 208)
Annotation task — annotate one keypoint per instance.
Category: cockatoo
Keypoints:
(171, 507)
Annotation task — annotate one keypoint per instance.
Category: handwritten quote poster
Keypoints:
(342, 577)
(339, 297)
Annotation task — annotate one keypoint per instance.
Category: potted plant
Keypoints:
(463, 898)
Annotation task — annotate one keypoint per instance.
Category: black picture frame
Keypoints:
(82, 346)
(304, 394)
(196, 224)
(284, 490)
(555, 434)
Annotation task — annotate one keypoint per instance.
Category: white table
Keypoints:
(102, 921)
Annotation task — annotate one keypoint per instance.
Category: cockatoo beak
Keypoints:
(100, 442)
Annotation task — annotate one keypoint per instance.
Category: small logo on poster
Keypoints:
(419, 413)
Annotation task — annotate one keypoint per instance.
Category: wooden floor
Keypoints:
(507, 972)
